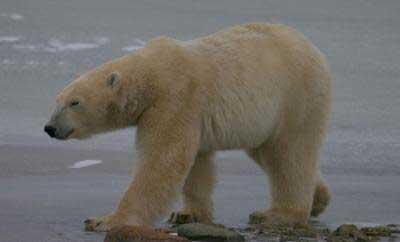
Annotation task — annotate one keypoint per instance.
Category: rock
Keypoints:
(349, 232)
(319, 232)
(381, 231)
(204, 232)
(140, 234)
(394, 228)
(303, 232)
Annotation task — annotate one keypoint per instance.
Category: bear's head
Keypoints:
(95, 102)
(117, 93)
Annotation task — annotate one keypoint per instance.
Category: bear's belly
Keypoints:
(233, 139)
(238, 125)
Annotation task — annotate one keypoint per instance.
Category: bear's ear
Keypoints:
(113, 80)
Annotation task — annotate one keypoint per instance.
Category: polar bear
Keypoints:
(263, 88)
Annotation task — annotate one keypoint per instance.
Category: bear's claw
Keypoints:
(177, 218)
(100, 224)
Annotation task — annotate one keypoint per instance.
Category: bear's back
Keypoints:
(251, 36)
(253, 72)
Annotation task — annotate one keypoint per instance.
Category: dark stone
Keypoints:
(394, 228)
(204, 232)
(381, 231)
(140, 234)
(349, 232)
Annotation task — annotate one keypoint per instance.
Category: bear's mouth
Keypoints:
(66, 135)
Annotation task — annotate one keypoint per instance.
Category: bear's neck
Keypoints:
(138, 88)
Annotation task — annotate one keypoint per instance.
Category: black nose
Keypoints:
(50, 130)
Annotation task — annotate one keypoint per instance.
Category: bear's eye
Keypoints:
(74, 103)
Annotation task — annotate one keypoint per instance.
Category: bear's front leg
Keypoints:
(167, 151)
(197, 192)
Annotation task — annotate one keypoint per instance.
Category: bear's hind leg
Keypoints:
(197, 192)
(321, 197)
(291, 165)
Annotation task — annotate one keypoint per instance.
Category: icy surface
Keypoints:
(13, 16)
(85, 163)
(8, 39)
(139, 44)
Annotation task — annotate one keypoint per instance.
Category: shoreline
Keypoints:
(39, 191)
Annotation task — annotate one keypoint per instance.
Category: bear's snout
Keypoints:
(50, 130)
(61, 132)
